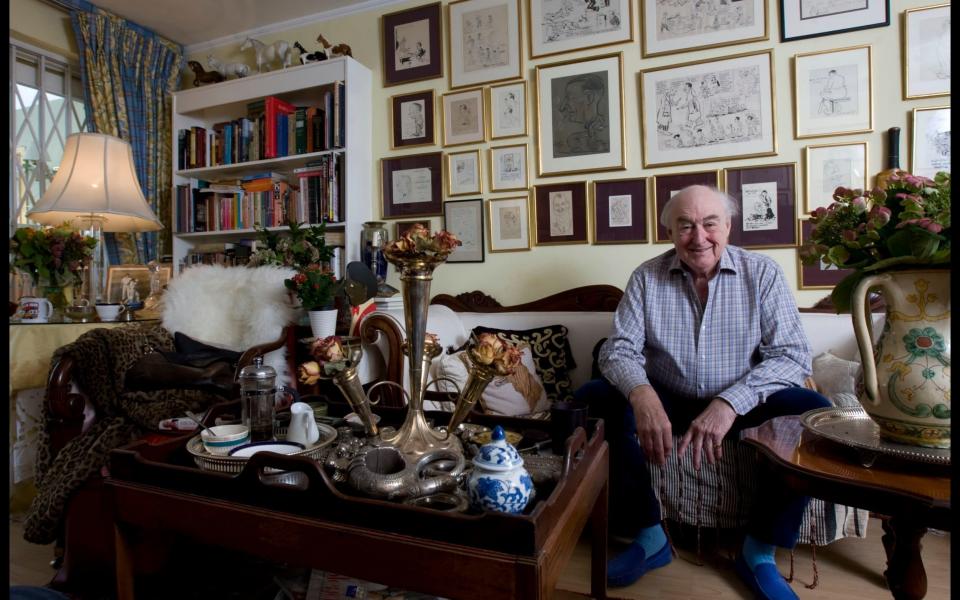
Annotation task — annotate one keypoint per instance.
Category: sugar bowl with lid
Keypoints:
(498, 481)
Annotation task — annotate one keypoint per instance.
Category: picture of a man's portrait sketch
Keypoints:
(580, 125)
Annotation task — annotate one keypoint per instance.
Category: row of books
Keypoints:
(272, 128)
(321, 190)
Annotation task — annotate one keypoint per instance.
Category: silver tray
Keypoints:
(235, 464)
(854, 427)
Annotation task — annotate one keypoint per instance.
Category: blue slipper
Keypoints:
(631, 564)
(765, 581)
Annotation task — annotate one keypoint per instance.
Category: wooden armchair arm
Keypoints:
(371, 328)
(250, 353)
(64, 408)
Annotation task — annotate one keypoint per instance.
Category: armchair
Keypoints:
(88, 410)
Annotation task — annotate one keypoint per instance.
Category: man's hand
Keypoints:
(707, 430)
(653, 426)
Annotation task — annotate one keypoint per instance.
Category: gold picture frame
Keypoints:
(570, 28)
(469, 52)
(507, 167)
(652, 23)
(931, 51)
(581, 130)
(833, 92)
(504, 102)
(508, 224)
(463, 115)
(828, 166)
(139, 273)
(405, 128)
(933, 154)
(665, 184)
(464, 176)
(669, 129)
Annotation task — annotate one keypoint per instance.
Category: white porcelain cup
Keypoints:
(34, 309)
(111, 311)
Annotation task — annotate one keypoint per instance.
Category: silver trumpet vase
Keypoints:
(478, 376)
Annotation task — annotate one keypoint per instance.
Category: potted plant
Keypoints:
(897, 240)
(53, 257)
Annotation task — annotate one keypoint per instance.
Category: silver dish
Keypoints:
(235, 464)
(854, 427)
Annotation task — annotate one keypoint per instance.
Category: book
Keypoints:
(273, 107)
(300, 131)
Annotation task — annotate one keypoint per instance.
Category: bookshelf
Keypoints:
(300, 85)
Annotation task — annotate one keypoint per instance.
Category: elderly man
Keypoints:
(706, 341)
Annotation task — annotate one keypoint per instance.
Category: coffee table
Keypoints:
(915, 496)
(470, 556)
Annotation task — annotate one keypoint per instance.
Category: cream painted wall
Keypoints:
(516, 277)
(44, 26)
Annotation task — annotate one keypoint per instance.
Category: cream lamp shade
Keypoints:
(96, 181)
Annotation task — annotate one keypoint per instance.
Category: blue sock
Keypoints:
(651, 539)
(756, 552)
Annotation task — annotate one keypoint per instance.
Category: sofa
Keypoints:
(586, 314)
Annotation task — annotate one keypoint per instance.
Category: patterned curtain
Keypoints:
(128, 74)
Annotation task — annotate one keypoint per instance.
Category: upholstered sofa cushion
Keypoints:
(551, 355)
(521, 394)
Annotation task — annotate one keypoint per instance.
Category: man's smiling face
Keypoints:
(700, 230)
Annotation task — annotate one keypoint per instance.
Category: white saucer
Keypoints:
(248, 450)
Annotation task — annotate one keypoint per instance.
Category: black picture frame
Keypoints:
(397, 54)
(398, 120)
(634, 232)
(664, 184)
(422, 198)
(795, 26)
(571, 230)
(750, 228)
(464, 219)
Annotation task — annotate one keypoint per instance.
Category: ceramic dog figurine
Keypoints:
(236, 69)
(306, 57)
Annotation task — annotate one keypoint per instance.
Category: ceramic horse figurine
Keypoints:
(237, 69)
(202, 76)
(266, 54)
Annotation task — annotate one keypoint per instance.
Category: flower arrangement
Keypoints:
(301, 248)
(418, 243)
(905, 225)
(492, 352)
(56, 254)
(330, 358)
(314, 287)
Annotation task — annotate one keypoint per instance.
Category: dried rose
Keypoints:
(327, 349)
(309, 372)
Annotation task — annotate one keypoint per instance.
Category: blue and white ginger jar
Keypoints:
(499, 482)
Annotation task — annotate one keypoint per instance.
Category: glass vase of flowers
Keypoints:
(54, 258)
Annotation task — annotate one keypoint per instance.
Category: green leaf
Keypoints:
(843, 292)
(913, 241)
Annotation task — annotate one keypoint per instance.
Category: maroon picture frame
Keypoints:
(388, 24)
(403, 226)
(395, 208)
(546, 232)
(636, 232)
(784, 175)
(429, 137)
(664, 184)
(812, 277)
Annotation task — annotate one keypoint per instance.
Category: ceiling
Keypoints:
(199, 22)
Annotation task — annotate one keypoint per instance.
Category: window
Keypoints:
(47, 106)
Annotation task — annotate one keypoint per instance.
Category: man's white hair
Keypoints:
(729, 205)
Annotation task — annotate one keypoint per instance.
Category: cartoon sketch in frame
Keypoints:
(464, 219)
(485, 38)
(465, 171)
(463, 120)
(830, 93)
(837, 172)
(561, 213)
(759, 206)
(692, 18)
(580, 126)
(411, 186)
(707, 109)
(412, 45)
(510, 110)
(509, 218)
(412, 119)
(620, 211)
(564, 20)
(932, 150)
(510, 169)
(811, 9)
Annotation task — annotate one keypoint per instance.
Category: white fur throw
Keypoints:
(233, 308)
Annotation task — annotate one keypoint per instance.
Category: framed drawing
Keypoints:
(508, 110)
(124, 281)
(463, 173)
(820, 276)
(833, 92)
(830, 166)
(926, 51)
(557, 26)
(404, 226)
(708, 110)
(930, 143)
(509, 224)
(412, 186)
(620, 211)
(411, 44)
(463, 117)
(508, 168)
(464, 219)
(560, 213)
(800, 19)
(580, 116)
(669, 26)
(411, 117)
(667, 186)
(766, 197)
(483, 41)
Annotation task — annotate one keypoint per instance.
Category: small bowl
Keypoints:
(226, 438)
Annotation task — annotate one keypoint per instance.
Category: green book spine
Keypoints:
(300, 134)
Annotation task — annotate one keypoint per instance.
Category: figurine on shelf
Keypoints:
(203, 76)
(307, 57)
(334, 51)
(239, 70)
(268, 53)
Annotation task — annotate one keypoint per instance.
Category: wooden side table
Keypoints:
(914, 495)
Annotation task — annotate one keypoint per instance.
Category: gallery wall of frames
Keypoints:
(547, 134)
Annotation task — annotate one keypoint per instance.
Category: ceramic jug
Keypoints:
(303, 425)
(906, 376)
(499, 482)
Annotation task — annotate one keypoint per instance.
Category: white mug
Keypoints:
(303, 426)
(34, 309)
(110, 312)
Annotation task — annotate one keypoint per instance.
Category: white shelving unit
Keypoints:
(203, 106)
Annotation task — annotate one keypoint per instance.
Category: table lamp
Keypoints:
(96, 189)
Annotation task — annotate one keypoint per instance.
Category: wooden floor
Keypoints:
(850, 569)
